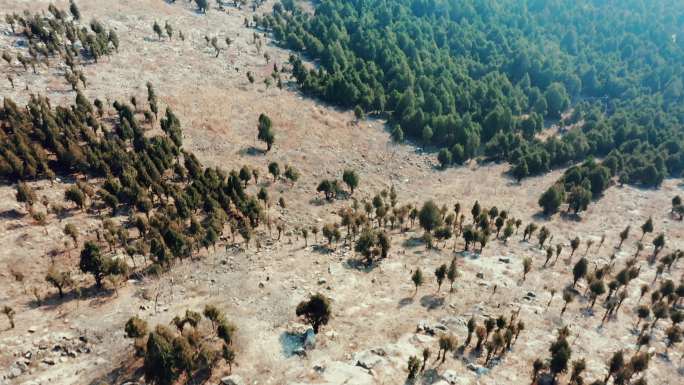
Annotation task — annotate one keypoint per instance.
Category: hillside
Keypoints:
(256, 276)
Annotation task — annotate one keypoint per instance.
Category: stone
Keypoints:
(32, 329)
(505, 260)
(453, 322)
(422, 339)
(440, 326)
(14, 372)
(232, 380)
(299, 352)
(480, 370)
(49, 361)
(450, 376)
(424, 326)
(322, 281)
(480, 275)
(367, 359)
(337, 373)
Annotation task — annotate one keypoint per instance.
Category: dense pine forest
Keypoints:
(485, 77)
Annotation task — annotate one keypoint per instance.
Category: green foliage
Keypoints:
(429, 216)
(551, 200)
(274, 169)
(161, 365)
(317, 311)
(25, 194)
(417, 278)
(579, 270)
(59, 279)
(445, 157)
(291, 173)
(265, 131)
(351, 179)
(226, 331)
(329, 188)
(93, 262)
(135, 327)
(413, 367)
(483, 76)
(372, 244)
(75, 195)
(75, 12)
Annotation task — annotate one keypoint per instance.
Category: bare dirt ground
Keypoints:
(259, 290)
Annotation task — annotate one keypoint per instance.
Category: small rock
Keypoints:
(322, 281)
(505, 260)
(450, 376)
(480, 275)
(32, 329)
(424, 326)
(299, 352)
(477, 369)
(232, 380)
(49, 361)
(440, 326)
(14, 372)
(261, 285)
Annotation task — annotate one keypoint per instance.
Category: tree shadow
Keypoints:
(429, 376)
(53, 301)
(405, 302)
(317, 201)
(291, 343)
(360, 265)
(322, 249)
(11, 214)
(413, 241)
(539, 216)
(431, 301)
(568, 216)
(252, 151)
(120, 374)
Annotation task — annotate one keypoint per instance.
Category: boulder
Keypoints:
(14, 372)
(367, 359)
(337, 373)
